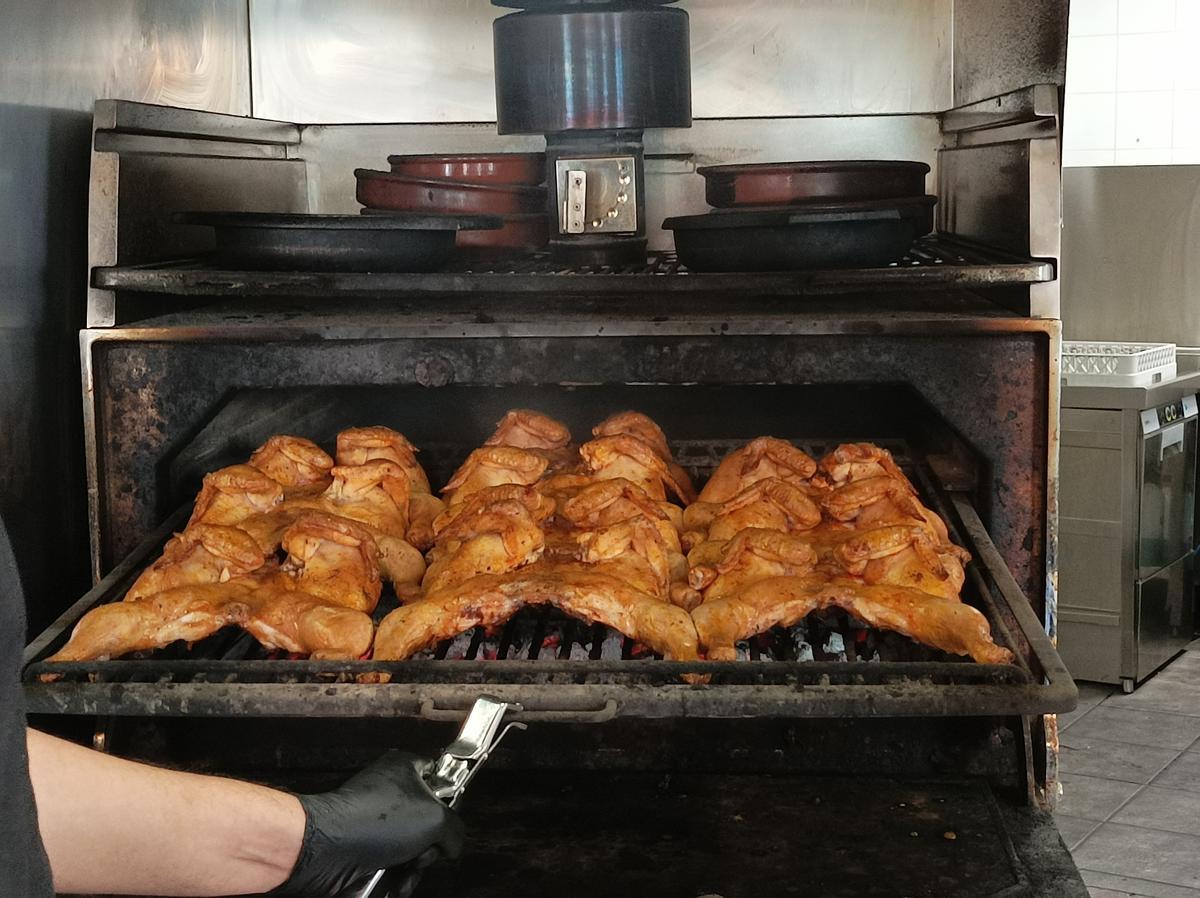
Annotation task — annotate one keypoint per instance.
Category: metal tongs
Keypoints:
(449, 775)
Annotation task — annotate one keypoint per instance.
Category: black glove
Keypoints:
(383, 817)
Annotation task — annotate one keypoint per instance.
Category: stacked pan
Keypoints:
(506, 185)
(780, 216)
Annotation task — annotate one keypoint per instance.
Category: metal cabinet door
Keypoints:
(1168, 497)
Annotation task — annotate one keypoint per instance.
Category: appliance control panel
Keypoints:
(1169, 413)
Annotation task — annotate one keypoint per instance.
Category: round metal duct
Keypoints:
(593, 67)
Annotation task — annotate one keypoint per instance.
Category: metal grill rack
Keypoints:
(933, 261)
(566, 670)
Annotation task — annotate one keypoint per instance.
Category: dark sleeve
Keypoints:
(24, 869)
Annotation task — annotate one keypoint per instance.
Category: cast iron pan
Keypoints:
(832, 235)
(791, 183)
(474, 168)
(259, 241)
(385, 190)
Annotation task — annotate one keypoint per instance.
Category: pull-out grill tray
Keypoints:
(571, 672)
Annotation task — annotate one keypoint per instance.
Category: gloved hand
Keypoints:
(383, 817)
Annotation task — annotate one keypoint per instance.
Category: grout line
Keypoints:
(1157, 882)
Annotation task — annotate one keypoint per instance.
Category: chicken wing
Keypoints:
(205, 553)
(231, 495)
(184, 612)
(765, 457)
(580, 590)
(609, 502)
(643, 427)
(539, 507)
(753, 555)
(858, 461)
(494, 466)
(627, 457)
(942, 623)
(768, 504)
(295, 463)
(359, 445)
(525, 429)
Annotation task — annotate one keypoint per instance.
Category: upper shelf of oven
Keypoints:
(933, 262)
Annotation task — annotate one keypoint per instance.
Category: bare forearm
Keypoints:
(111, 825)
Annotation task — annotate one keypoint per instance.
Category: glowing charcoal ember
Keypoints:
(610, 648)
(637, 650)
(459, 646)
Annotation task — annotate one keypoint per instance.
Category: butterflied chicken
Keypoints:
(374, 494)
(189, 612)
(767, 504)
(580, 590)
(942, 623)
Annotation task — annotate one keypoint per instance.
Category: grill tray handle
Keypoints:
(430, 711)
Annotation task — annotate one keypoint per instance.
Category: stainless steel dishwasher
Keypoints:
(1127, 502)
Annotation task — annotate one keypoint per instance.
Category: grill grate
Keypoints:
(931, 260)
(567, 670)
(545, 634)
(927, 252)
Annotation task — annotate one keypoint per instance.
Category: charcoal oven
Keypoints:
(827, 759)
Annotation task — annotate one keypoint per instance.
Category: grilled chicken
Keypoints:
(374, 494)
(205, 553)
(942, 623)
(500, 537)
(294, 463)
(360, 445)
(524, 429)
(581, 590)
(757, 460)
(494, 466)
(231, 495)
(641, 426)
(184, 612)
(629, 458)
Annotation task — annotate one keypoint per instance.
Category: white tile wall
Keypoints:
(1133, 83)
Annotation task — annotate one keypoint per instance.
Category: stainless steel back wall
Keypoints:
(56, 58)
(431, 60)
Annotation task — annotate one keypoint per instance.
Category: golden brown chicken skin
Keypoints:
(579, 590)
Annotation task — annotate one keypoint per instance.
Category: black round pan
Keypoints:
(260, 241)
(835, 235)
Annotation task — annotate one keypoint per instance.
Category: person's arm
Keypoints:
(116, 826)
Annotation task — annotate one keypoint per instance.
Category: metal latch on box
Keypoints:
(597, 196)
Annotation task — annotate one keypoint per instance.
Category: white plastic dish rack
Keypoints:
(1095, 363)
